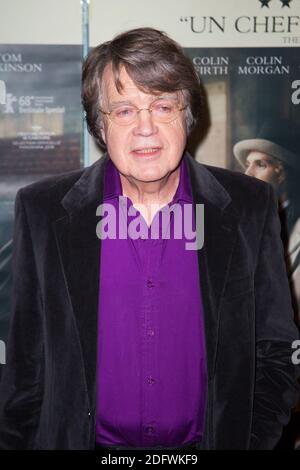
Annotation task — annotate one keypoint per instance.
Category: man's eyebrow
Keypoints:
(114, 104)
(166, 95)
(266, 160)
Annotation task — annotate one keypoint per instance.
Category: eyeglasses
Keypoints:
(162, 110)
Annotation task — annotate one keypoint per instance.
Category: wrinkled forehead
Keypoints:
(121, 86)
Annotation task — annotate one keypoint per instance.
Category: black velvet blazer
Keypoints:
(48, 388)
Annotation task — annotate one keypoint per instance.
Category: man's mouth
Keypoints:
(146, 151)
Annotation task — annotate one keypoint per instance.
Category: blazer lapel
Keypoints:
(79, 249)
(220, 230)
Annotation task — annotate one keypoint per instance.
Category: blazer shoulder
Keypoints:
(244, 190)
(56, 184)
(42, 199)
(49, 191)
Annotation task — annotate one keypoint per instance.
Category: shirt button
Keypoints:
(150, 380)
(150, 283)
(150, 332)
(150, 429)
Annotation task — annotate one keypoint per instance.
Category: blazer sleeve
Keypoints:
(21, 387)
(276, 387)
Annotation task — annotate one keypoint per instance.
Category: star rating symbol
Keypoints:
(285, 3)
(265, 3)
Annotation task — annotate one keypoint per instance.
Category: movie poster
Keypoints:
(40, 134)
(252, 98)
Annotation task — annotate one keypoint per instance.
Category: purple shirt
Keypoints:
(151, 372)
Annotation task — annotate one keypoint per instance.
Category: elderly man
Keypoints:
(136, 341)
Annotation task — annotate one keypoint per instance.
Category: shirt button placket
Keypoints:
(150, 283)
(150, 380)
(150, 429)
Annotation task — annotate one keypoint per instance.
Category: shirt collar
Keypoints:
(113, 187)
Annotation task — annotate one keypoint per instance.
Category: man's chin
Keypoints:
(149, 178)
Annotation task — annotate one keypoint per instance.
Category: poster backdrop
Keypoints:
(40, 134)
(247, 56)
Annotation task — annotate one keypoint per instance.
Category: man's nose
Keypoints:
(249, 171)
(145, 124)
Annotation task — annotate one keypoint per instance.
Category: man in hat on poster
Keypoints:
(273, 156)
(142, 342)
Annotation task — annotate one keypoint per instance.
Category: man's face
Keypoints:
(263, 167)
(145, 150)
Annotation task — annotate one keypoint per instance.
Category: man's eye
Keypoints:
(164, 108)
(124, 112)
(261, 165)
